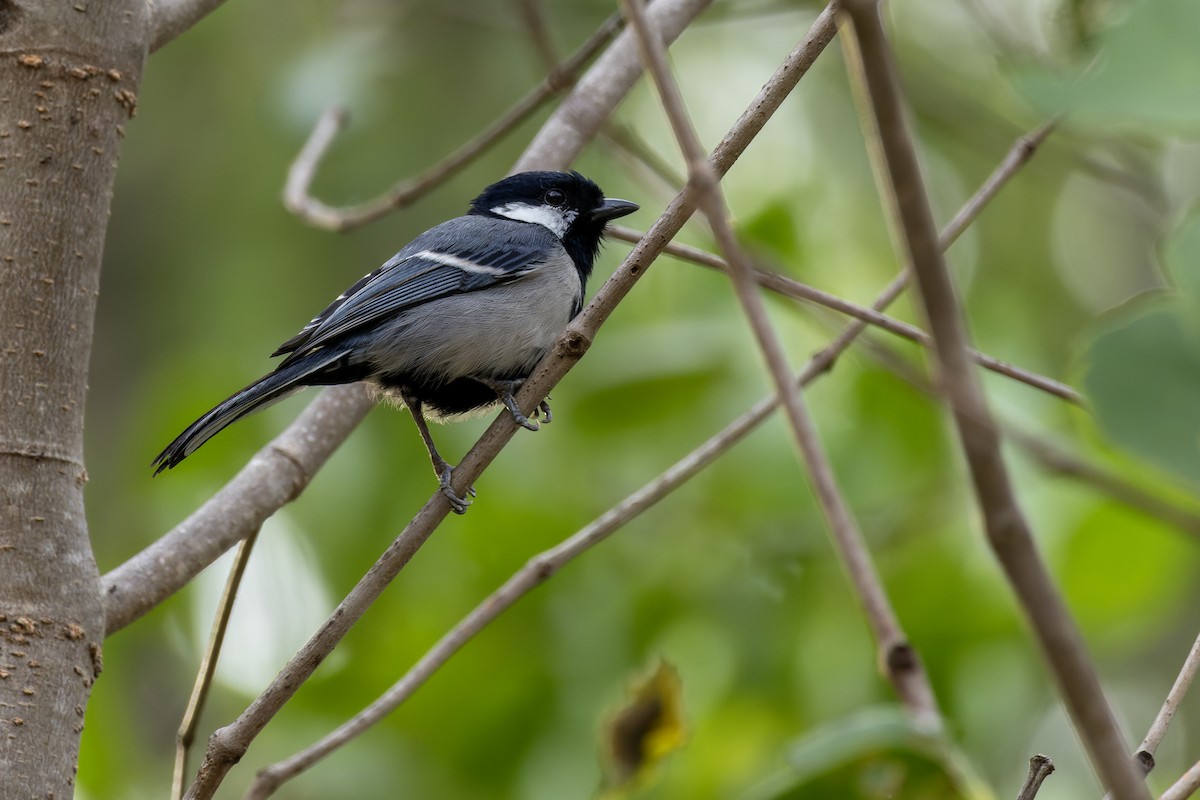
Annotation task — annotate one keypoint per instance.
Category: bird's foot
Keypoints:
(504, 391)
(544, 408)
(457, 504)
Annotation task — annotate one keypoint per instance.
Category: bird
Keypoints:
(453, 323)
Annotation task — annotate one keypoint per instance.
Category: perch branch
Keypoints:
(1007, 530)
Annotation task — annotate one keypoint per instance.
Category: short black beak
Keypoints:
(612, 208)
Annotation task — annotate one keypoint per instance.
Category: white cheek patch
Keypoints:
(555, 220)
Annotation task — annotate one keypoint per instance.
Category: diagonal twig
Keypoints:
(1185, 787)
(1054, 458)
(208, 665)
(897, 657)
(1158, 729)
(1007, 530)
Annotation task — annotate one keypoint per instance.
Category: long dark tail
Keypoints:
(320, 368)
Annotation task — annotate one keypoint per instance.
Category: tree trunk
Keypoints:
(69, 72)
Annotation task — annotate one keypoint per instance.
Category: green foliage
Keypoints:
(1138, 72)
(1144, 367)
(873, 755)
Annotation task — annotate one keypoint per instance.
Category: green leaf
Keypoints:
(1143, 380)
(1144, 72)
(879, 753)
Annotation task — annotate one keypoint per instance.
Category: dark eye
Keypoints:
(555, 197)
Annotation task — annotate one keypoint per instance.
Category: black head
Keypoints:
(572, 207)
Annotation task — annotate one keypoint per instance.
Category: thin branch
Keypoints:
(539, 31)
(208, 665)
(629, 143)
(1040, 767)
(534, 573)
(297, 195)
(789, 287)
(1007, 530)
(170, 18)
(228, 744)
(1158, 729)
(1056, 459)
(903, 666)
(1186, 786)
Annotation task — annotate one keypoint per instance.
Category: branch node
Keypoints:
(573, 344)
(901, 657)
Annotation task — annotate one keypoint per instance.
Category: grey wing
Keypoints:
(434, 265)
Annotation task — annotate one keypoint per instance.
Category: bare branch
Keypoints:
(1186, 786)
(1007, 530)
(1018, 155)
(1040, 767)
(298, 199)
(208, 665)
(170, 18)
(536, 570)
(274, 477)
(1123, 491)
(539, 31)
(1056, 459)
(797, 290)
(1158, 729)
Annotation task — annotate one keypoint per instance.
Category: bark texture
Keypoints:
(69, 73)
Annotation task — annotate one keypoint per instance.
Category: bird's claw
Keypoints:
(525, 422)
(518, 416)
(544, 408)
(457, 504)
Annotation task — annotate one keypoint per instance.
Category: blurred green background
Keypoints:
(1084, 269)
